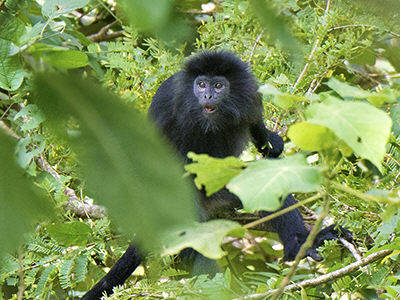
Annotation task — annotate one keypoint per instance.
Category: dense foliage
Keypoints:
(76, 78)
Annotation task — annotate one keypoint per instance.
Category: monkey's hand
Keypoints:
(274, 146)
(332, 232)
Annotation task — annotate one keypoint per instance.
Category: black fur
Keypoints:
(238, 119)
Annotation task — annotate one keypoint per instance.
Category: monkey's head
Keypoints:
(216, 89)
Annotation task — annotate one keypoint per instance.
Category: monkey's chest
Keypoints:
(221, 144)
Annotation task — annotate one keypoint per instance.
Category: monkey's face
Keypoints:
(211, 91)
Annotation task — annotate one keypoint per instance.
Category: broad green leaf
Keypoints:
(54, 8)
(383, 96)
(264, 182)
(12, 28)
(347, 91)
(11, 70)
(68, 59)
(69, 234)
(213, 173)
(287, 101)
(126, 164)
(269, 89)
(363, 127)
(205, 238)
(21, 205)
(311, 137)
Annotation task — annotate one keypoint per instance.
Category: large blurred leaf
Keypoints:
(266, 181)
(275, 26)
(11, 70)
(159, 17)
(127, 166)
(213, 173)
(20, 203)
(206, 238)
(363, 127)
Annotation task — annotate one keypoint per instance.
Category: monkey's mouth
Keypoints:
(210, 109)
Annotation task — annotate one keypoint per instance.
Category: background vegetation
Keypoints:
(329, 72)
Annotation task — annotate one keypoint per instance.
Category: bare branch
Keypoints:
(74, 204)
(104, 35)
(327, 277)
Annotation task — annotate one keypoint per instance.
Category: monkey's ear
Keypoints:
(274, 146)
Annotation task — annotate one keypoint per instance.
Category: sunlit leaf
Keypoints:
(363, 127)
(347, 91)
(311, 137)
(213, 173)
(205, 238)
(263, 184)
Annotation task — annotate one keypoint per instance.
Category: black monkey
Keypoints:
(213, 106)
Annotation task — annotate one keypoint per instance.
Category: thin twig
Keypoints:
(327, 277)
(103, 33)
(77, 207)
(310, 57)
(255, 45)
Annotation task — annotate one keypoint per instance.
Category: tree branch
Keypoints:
(327, 277)
(104, 35)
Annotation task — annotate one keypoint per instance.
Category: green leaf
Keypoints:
(383, 96)
(147, 15)
(21, 205)
(11, 70)
(395, 116)
(264, 182)
(205, 238)
(311, 137)
(363, 127)
(55, 8)
(127, 165)
(213, 173)
(68, 59)
(69, 234)
(269, 89)
(347, 91)
(32, 116)
(12, 28)
(287, 101)
(275, 25)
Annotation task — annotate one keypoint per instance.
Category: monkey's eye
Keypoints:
(201, 84)
(219, 85)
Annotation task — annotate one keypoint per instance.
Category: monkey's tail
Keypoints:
(122, 269)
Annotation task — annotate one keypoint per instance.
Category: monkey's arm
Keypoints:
(268, 143)
(293, 234)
